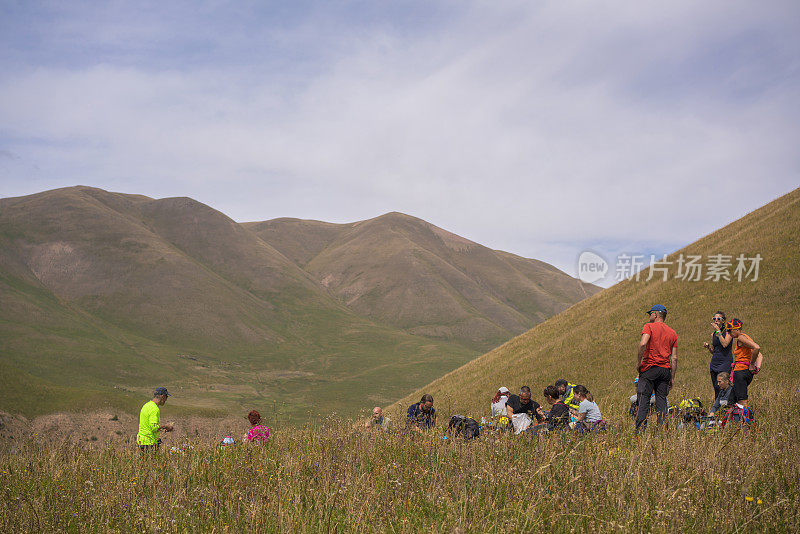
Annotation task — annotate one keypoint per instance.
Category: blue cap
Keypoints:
(161, 391)
(658, 308)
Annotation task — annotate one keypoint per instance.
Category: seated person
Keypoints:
(421, 416)
(519, 405)
(588, 412)
(558, 417)
(567, 393)
(725, 399)
(378, 420)
(559, 411)
(258, 433)
(498, 407)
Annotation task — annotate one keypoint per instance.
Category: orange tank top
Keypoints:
(742, 354)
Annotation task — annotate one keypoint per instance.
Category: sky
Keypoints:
(542, 128)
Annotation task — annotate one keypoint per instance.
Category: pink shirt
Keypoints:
(258, 433)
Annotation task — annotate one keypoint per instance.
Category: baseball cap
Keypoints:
(657, 308)
(503, 389)
(161, 391)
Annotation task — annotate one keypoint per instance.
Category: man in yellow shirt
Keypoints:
(150, 425)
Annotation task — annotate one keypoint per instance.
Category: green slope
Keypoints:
(594, 342)
(104, 295)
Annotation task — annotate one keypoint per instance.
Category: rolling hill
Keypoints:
(405, 272)
(594, 342)
(103, 295)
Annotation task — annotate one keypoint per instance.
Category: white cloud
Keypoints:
(534, 127)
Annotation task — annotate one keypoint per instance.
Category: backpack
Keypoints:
(739, 414)
(692, 410)
(465, 426)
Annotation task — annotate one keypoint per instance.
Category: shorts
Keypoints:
(741, 379)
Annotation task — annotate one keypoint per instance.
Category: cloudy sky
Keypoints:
(541, 128)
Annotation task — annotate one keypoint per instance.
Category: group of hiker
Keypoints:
(571, 407)
(735, 360)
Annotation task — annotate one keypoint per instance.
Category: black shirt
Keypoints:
(559, 415)
(531, 407)
(722, 358)
(419, 417)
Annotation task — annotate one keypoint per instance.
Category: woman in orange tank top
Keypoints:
(746, 362)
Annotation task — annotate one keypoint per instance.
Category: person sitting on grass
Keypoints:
(559, 411)
(422, 415)
(521, 410)
(558, 417)
(498, 407)
(588, 412)
(725, 398)
(258, 433)
(378, 420)
(567, 392)
(150, 427)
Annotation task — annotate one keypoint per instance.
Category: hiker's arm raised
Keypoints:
(725, 340)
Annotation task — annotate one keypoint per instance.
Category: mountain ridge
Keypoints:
(104, 294)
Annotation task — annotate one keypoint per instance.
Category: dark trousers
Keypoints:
(150, 448)
(741, 379)
(655, 379)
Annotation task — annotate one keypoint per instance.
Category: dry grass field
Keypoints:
(337, 478)
(331, 476)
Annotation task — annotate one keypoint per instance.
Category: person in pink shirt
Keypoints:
(258, 433)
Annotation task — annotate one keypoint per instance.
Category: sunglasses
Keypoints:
(717, 318)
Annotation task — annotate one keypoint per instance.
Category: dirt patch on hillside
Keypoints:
(104, 428)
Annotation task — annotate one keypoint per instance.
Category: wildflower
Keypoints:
(759, 501)
(748, 499)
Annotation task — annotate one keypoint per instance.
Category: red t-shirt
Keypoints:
(659, 347)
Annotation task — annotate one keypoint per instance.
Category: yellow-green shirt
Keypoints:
(149, 421)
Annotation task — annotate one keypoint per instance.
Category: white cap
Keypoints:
(503, 389)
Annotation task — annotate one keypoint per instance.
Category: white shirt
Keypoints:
(499, 407)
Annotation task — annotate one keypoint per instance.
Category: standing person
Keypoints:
(498, 407)
(748, 361)
(657, 362)
(150, 426)
(378, 420)
(720, 348)
(422, 415)
(522, 404)
(258, 433)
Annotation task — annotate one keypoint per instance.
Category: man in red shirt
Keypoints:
(657, 362)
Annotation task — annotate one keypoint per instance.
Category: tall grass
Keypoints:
(334, 477)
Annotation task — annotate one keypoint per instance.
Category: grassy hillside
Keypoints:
(104, 295)
(402, 271)
(594, 342)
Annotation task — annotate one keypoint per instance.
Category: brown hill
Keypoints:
(103, 295)
(405, 272)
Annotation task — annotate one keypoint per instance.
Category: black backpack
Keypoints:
(465, 426)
